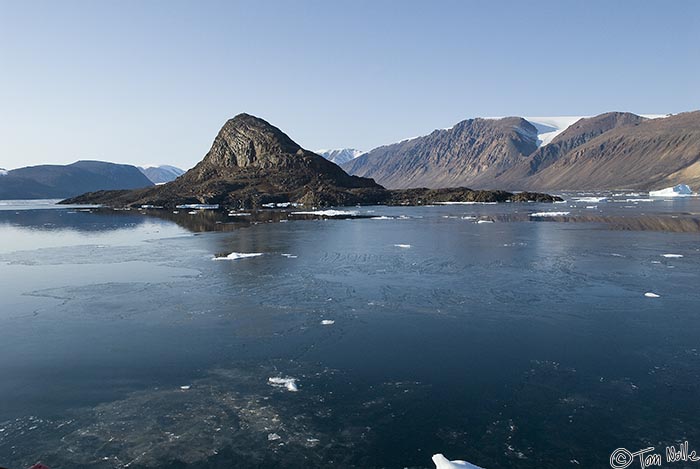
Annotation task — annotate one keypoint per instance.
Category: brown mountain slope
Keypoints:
(650, 154)
(473, 152)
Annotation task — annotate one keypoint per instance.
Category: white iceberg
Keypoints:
(680, 190)
(403, 246)
(484, 221)
(237, 255)
(651, 295)
(327, 322)
(672, 256)
(441, 462)
(289, 383)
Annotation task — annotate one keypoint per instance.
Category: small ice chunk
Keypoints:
(289, 256)
(199, 206)
(185, 388)
(329, 213)
(237, 255)
(590, 199)
(289, 383)
(484, 221)
(328, 322)
(382, 218)
(441, 462)
(550, 214)
(651, 295)
(273, 437)
(672, 256)
(404, 246)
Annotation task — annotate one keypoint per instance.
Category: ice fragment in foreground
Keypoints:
(441, 462)
(289, 383)
(651, 295)
(237, 255)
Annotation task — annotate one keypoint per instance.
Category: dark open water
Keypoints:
(526, 343)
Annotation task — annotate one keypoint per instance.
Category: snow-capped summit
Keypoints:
(340, 155)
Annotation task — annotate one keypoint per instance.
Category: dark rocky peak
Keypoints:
(248, 141)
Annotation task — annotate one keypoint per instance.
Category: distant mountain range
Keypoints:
(161, 174)
(58, 181)
(340, 155)
(611, 151)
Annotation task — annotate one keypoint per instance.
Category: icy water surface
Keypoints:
(521, 341)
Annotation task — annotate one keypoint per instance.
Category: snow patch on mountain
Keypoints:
(340, 155)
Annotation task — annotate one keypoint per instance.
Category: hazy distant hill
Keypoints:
(161, 174)
(57, 181)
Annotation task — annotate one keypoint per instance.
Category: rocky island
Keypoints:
(253, 164)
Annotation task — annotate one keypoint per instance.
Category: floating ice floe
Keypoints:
(273, 437)
(199, 206)
(680, 190)
(383, 217)
(672, 256)
(441, 462)
(327, 322)
(289, 256)
(185, 388)
(329, 213)
(480, 222)
(288, 383)
(550, 214)
(590, 199)
(404, 246)
(237, 255)
(651, 295)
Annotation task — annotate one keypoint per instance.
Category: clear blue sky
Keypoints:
(153, 81)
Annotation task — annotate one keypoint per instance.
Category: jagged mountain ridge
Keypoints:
(473, 152)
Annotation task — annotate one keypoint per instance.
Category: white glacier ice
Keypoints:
(651, 295)
(441, 462)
